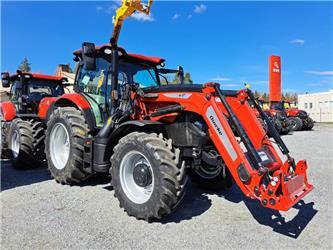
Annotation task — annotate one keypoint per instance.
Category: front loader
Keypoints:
(151, 136)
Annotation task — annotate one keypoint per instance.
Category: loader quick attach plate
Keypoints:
(296, 187)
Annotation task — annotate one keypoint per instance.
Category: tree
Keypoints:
(25, 65)
(187, 78)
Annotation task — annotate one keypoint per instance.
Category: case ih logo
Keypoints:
(276, 67)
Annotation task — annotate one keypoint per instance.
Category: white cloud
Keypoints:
(143, 17)
(176, 16)
(99, 8)
(220, 79)
(109, 9)
(320, 73)
(298, 41)
(200, 8)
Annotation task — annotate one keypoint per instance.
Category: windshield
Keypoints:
(98, 82)
(45, 87)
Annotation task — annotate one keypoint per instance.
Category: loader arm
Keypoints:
(250, 156)
(127, 8)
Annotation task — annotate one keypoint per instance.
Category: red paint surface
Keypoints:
(8, 110)
(275, 79)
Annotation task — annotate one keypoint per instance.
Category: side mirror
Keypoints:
(5, 79)
(89, 56)
(181, 74)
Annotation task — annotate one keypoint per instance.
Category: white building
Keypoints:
(318, 105)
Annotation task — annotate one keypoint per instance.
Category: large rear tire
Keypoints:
(148, 176)
(5, 154)
(64, 145)
(26, 143)
(278, 125)
(296, 123)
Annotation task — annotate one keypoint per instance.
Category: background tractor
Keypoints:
(22, 130)
(298, 119)
(277, 117)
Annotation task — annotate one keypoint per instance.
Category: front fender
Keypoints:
(78, 101)
(131, 126)
(8, 110)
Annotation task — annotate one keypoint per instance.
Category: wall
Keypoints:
(318, 105)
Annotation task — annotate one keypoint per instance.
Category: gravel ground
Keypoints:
(39, 213)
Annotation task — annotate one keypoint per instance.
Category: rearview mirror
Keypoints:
(89, 56)
(5, 79)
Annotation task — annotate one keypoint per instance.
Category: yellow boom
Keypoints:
(127, 8)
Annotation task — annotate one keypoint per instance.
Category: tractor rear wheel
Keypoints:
(148, 176)
(5, 154)
(296, 123)
(214, 178)
(278, 125)
(65, 136)
(26, 143)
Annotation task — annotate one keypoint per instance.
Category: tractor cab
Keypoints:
(94, 76)
(28, 89)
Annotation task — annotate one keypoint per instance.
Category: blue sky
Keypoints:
(229, 42)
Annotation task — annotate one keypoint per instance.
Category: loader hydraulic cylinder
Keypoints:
(240, 130)
(270, 125)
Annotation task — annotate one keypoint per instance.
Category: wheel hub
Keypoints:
(136, 177)
(142, 175)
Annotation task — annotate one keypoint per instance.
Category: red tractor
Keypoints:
(278, 118)
(150, 137)
(22, 136)
(299, 118)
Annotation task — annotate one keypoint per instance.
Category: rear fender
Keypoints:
(44, 106)
(292, 112)
(8, 110)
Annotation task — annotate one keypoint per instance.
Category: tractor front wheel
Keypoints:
(309, 125)
(65, 136)
(26, 143)
(148, 176)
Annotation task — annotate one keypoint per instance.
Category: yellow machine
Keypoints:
(127, 8)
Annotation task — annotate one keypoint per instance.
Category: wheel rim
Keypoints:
(15, 144)
(59, 146)
(208, 172)
(133, 163)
